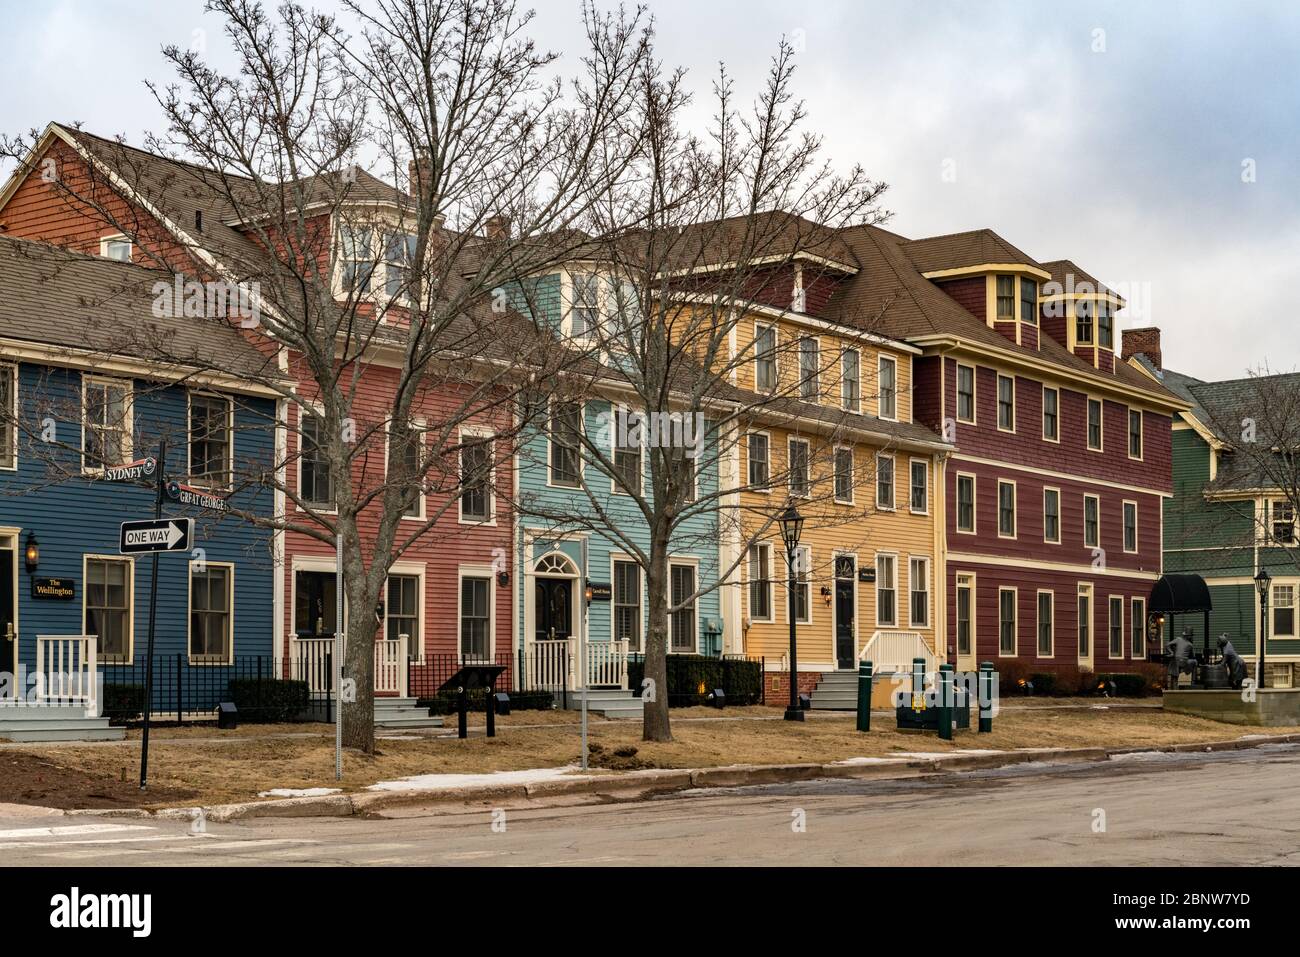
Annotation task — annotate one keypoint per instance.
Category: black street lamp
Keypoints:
(791, 528)
(1262, 580)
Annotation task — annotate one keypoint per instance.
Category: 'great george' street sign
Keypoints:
(156, 535)
(188, 495)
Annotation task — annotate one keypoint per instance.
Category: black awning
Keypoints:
(1179, 594)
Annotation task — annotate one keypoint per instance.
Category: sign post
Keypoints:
(153, 608)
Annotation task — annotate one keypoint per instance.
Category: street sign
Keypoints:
(135, 471)
(156, 535)
(188, 495)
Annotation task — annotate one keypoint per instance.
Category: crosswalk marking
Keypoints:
(20, 832)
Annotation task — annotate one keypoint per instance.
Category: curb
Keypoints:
(637, 785)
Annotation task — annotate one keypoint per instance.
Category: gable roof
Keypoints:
(1068, 275)
(975, 247)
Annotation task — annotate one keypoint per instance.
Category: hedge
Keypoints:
(269, 699)
(123, 703)
(740, 678)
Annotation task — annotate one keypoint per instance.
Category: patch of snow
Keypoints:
(914, 755)
(297, 792)
(441, 781)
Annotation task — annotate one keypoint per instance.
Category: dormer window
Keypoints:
(1083, 322)
(356, 258)
(1029, 301)
(1006, 298)
(1105, 325)
(586, 304)
(399, 253)
(371, 259)
(116, 247)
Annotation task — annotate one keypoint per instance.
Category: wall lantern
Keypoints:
(826, 594)
(503, 579)
(32, 552)
(588, 592)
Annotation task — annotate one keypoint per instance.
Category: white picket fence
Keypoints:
(67, 670)
(552, 664)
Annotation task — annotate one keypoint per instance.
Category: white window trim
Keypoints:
(929, 610)
(1101, 424)
(1015, 621)
(615, 487)
(1015, 508)
(1134, 619)
(1097, 499)
(998, 396)
(476, 432)
(803, 559)
(86, 558)
(1038, 622)
(1110, 626)
(189, 615)
(897, 577)
(1295, 610)
(1057, 392)
(476, 571)
(641, 603)
(893, 485)
(974, 501)
(960, 580)
(550, 441)
(189, 438)
(767, 489)
(416, 570)
(104, 242)
(1128, 436)
(378, 291)
(695, 562)
(881, 361)
(857, 406)
(771, 597)
(1059, 523)
(128, 425)
(974, 394)
(13, 369)
(1123, 528)
(789, 468)
(569, 295)
(388, 446)
(776, 354)
(308, 563)
(1086, 589)
(925, 465)
(817, 380)
(316, 411)
(835, 474)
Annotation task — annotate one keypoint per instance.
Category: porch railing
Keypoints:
(391, 666)
(894, 651)
(607, 664)
(550, 665)
(67, 670)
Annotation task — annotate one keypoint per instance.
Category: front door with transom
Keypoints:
(552, 608)
(8, 605)
(845, 603)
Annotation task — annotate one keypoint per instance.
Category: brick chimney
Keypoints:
(497, 227)
(418, 170)
(1143, 342)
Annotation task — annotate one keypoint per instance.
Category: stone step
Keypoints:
(25, 712)
(86, 730)
(418, 721)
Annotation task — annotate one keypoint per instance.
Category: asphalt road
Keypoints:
(1238, 807)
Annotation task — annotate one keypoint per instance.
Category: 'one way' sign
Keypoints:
(157, 535)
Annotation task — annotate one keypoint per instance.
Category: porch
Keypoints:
(60, 698)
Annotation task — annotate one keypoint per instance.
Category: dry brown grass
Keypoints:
(218, 772)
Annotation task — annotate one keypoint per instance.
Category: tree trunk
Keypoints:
(655, 725)
(359, 657)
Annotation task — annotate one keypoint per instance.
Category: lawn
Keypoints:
(203, 765)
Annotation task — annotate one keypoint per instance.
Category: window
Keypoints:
(356, 259)
(1283, 611)
(1046, 622)
(918, 582)
(1085, 621)
(1006, 403)
(802, 568)
(1105, 325)
(1051, 414)
(1006, 621)
(566, 432)
(1116, 627)
(1028, 301)
(1282, 525)
(760, 582)
(765, 358)
(106, 433)
(888, 388)
(1052, 515)
(475, 617)
(1006, 296)
(399, 253)
(920, 495)
(885, 482)
(759, 463)
(965, 393)
(809, 368)
(210, 441)
(1091, 530)
(210, 609)
(1134, 433)
(627, 604)
(627, 460)
(965, 503)
(1130, 527)
(844, 475)
(314, 485)
(1094, 424)
(315, 604)
(402, 613)
(8, 417)
(1006, 509)
(965, 603)
(475, 479)
(116, 247)
(682, 622)
(851, 380)
(108, 597)
(586, 304)
(886, 591)
(473, 475)
(1139, 646)
(798, 479)
(1083, 323)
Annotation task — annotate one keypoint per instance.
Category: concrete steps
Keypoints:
(54, 723)
(402, 713)
(608, 702)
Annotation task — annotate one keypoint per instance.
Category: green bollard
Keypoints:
(945, 690)
(864, 696)
(985, 703)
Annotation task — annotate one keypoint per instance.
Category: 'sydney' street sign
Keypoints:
(135, 471)
(156, 535)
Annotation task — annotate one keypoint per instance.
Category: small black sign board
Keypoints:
(601, 591)
(474, 676)
(866, 574)
(188, 495)
(54, 589)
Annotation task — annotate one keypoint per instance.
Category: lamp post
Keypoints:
(791, 527)
(1262, 581)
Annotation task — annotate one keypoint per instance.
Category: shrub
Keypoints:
(269, 699)
(123, 703)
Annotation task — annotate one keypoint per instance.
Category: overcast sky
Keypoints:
(1119, 135)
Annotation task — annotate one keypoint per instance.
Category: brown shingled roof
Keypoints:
(1069, 275)
(974, 247)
